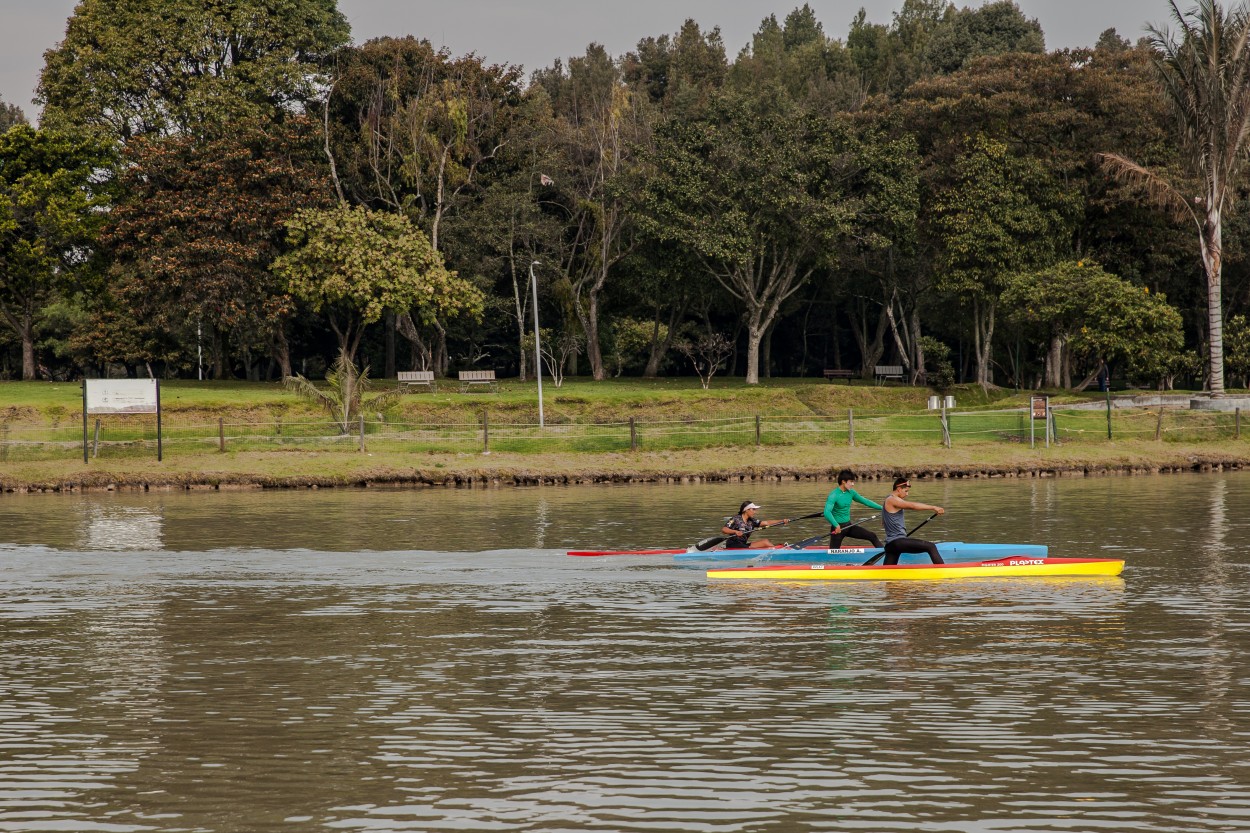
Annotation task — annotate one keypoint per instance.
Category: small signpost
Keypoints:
(121, 396)
(1040, 408)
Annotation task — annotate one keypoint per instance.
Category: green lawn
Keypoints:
(579, 399)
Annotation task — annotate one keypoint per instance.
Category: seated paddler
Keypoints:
(740, 527)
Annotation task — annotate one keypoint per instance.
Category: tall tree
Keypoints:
(598, 126)
(53, 189)
(1204, 70)
(755, 198)
(10, 115)
(353, 264)
(994, 28)
(169, 66)
(1101, 317)
(998, 215)
(200, 223)
(417, 131)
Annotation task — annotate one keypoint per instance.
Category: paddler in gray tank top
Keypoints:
(896, 540)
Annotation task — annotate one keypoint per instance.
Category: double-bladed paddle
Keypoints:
(707, 543)
(881, 554)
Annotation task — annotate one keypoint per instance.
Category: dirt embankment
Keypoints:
(347, 470)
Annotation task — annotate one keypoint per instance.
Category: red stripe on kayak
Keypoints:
(623, 552)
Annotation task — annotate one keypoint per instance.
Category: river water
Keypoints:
(431, 660)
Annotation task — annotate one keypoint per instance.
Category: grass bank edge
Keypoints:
(353, 469)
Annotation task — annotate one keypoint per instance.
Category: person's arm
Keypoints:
(919, 507)
(829, 510)
(767, 524)
(857, 497)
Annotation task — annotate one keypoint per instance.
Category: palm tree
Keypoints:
(343, 396)
(1205, 73)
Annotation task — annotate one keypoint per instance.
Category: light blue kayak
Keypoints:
(953, 551)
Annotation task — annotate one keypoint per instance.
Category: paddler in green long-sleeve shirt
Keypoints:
(838, 512)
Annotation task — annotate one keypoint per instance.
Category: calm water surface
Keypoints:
(432, 661)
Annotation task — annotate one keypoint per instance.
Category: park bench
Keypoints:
(885, 372)
(413, 378)
(832, 373)
(485, 378)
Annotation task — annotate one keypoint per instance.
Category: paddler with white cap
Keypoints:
(740, 527)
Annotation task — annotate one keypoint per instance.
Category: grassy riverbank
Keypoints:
(287, 461)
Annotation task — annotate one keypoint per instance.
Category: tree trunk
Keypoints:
(871, 347)
(520, 301)
(591, 324)
(388, 327)
(281, 352)
(983, 335)
(1212, 261)
(919, 348)
(29, 371)
(660, 348)
(755, 334)
(1054, 362)
(218, 353)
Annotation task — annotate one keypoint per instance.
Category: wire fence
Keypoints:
(114, 437)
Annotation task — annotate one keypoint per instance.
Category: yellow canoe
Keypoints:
(997, 568)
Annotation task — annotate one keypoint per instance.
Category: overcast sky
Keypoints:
(535, 32)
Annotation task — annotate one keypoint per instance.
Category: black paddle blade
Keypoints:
(707, 543)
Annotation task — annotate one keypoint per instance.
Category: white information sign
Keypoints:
(122, 396)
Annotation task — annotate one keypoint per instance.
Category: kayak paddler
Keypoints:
(896, 540)
(838, 512)
(740, 527)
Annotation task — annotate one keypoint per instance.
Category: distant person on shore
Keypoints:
(838, 512)
(740, 527)
(896, 540)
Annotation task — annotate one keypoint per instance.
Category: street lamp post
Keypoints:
(538, 358)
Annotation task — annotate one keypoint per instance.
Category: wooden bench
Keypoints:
(884, 372)
(412, 378)
(832, 373)
(485, 378)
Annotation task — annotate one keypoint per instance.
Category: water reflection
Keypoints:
(110, 526)
(348, 682)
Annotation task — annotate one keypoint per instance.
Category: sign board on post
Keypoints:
(121, 396)
(1039, 407)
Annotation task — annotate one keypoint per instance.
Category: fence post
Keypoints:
(946, 427)
(1109, 407)
(850, 425)
(362, 432)
(221, 434)
(4, 442)
(757, 430)
(1237, 423)
(1159, 424)
(633, 435)
(485, 432)
(95, 441)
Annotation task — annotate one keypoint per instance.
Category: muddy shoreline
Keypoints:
(494, 477)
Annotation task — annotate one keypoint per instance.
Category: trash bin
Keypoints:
(933, 403)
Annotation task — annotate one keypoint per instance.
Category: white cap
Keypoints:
(750, 506)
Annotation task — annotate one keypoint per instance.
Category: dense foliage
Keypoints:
(234, 185)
